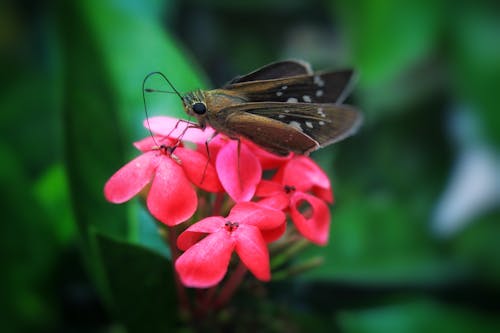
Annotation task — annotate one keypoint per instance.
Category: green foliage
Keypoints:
(416, 316)
(141, 285)
(73, 105)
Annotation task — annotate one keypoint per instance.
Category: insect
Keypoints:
(283, 107)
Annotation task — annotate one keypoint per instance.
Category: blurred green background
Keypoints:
(416, 225)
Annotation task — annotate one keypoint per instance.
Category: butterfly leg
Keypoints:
(239, 150)
(208, 156)
(190, 125)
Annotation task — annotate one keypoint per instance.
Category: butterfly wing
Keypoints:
(321, 87)
(297, 127)
(270, 134)
(275, 70)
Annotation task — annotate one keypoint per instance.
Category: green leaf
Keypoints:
(389, 37)
(477, 248)
(51, 190)
(132, 46)
(416, 316)
(28, 250)
(474, 55)
(93, 147)
(109, 50)
(140, 283)
(391, 43)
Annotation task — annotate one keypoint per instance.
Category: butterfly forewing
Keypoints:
(275, 70)
(327, 87)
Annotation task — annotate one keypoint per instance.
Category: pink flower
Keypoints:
(267, 160)
(175, 128)
(205, 262)
(290, 189)
(239, 169)
(170, 170)
(238, 173)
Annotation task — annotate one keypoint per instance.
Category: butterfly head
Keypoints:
(194, 104)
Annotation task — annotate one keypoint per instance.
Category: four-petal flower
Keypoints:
(289, 189)
(205, 262)
(169, 169)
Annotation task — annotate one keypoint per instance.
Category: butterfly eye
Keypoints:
(199, 108)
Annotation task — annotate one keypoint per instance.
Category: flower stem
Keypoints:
(231, 285)
(219, 199)
(181, 291)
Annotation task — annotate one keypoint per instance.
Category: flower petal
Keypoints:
(191, 235)
(174, 128)
(199, 170)
(214, 145)
(280, 202)
(316, 225)
(252, 213)
(303, 173)
(267, 160)
(253, 252)
(131, 178)
(204, 264)
(272, 235)
(171, 199)
(238, 173)
(198, 135)
(273, 193)
(267, 188)
(150, 143)
(323, 193)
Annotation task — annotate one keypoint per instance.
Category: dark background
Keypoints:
(416, 225)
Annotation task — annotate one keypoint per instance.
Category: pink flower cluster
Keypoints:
(172, 175)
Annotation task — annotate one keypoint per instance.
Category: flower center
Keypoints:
(289, 188)
(167, 150)
(231, 226)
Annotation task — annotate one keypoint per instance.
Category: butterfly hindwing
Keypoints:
(326, 87)
(322, 124)
(276, 70)
(270, 134)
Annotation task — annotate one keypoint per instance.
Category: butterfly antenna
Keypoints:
(144, 90)
(166, 79)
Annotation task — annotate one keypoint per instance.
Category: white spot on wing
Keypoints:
(306, 98)
(319, 93)
(279, 93)
(321, 122)
(321, 113)
(292, 100)
(295, 125)
(309, 124)
(284, 87)
(319, 81)
(281, 116)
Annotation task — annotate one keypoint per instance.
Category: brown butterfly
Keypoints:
(283, 107)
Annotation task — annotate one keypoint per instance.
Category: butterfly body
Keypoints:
(283, 107)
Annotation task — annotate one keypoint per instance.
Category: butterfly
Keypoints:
(283, 107)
